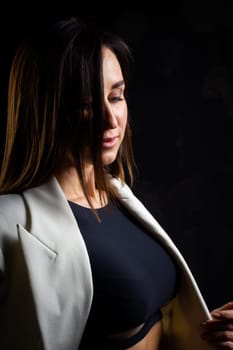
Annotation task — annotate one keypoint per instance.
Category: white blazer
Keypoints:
(46, 285)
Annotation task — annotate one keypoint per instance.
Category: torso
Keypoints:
(128, 283)
(151, 340)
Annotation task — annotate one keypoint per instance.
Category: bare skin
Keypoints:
(151, 340)
(218, 332)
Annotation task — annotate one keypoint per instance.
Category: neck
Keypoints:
(70, 183)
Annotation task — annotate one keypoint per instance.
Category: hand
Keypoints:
(218, 332)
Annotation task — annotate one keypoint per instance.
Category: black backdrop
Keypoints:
(181, 103)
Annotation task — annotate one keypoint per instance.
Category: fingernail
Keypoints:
(217, 315)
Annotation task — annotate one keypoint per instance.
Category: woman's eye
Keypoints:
(116, 98)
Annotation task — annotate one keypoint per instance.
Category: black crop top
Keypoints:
(133, 277)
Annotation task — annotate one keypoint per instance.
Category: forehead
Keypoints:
(112, 72)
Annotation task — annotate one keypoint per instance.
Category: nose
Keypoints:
(110, 117)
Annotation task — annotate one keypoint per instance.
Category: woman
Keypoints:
(83, 263)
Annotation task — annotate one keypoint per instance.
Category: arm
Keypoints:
(218, 332)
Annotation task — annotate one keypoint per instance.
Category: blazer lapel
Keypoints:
(58, 267)
(183, 316)
(135, 206)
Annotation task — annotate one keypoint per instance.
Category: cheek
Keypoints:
(123, 116)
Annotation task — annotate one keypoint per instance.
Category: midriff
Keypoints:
(151, 340)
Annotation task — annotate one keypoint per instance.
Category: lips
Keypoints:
(109, 142)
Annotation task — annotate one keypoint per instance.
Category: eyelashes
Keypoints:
(116, 99)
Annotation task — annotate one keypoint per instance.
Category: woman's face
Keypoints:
(115, 107)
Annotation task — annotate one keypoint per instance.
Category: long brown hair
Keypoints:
(52, 73)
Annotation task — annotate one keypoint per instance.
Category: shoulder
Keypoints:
(120, 188)
(125, 192)
(12, 208)
(9, 202)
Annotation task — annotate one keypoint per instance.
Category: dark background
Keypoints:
(181, 103)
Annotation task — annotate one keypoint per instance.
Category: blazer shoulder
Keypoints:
(12, 207)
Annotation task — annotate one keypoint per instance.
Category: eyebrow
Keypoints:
(118, 84)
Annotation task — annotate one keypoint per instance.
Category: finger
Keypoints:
(226, 306)
(221, 345)
(214, 325)
(218, 337)
(225, 314)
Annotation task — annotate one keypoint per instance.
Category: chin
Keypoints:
(109, 159)
(108, 162)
